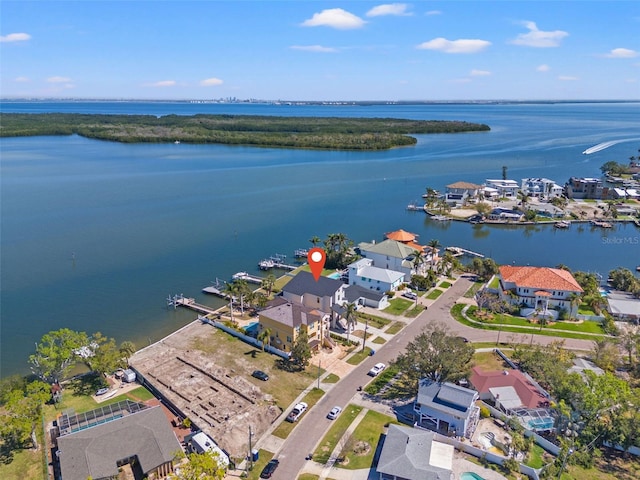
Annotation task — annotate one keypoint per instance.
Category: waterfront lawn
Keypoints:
(335, 433)
(368, 431)
(285, 428)
(25, 464)
(435, 293)
(359, 356)
(397, 306)
(395, 328)
(376, 322)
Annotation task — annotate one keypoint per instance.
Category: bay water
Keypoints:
(95, 235)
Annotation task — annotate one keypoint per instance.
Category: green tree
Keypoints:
(268, 282)
(417, 260)
(350, 317)
(337, 249)
(483, 208)
(300, 351)
(127, 348)
(605, 354)
(265, 337)
(22, 412)
(56, 353)
(315, 240)
(504, 172)
(201, 466)
(105, 356)
(434, 245)
(431, 196)
(230, 290)
(435, 354)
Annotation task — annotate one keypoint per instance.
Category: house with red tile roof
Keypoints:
(509, 390)
(539, 290)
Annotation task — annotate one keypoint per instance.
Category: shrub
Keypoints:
(484, 412)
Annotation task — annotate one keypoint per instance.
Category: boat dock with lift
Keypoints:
(247, 277)
(459, 251)
(276, 261)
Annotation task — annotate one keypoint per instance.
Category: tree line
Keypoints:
(285, 132)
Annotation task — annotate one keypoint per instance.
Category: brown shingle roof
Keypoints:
(465, 185)
(540, 278)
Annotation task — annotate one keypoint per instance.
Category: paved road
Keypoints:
(314, 424)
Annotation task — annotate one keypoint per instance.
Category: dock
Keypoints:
(215, 289)
(190, 303)
(247, 278)
(459, 251)
(276, 261)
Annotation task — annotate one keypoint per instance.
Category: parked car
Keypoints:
(410, 295)
(297, 412)
(376, 369)
(260, 375)
(269, 468)
(333, 414)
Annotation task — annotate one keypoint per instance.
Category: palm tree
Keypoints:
(349, 316)
(265, 337)
(242, 288)
(574, 301)
(315, 240)
(417, 261)
(230, 290)
(268, 282)
(434, 245)
(127, 349)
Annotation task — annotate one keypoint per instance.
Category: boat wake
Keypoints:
(603, 145)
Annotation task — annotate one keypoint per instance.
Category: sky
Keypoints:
(299, 50)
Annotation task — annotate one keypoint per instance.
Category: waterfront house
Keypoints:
(505, 188)
(324, 294)
(541, 188)
(591, 188)
(397, 256)
(505, 215)
(413, 454)
(286, 320)
(97, 443)
(446, 408)
(623, 306)
(459, 193)
(538, 290)
(430, 254)
(625, 193)
(364, 274)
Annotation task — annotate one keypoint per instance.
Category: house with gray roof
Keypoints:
(323, 295)
(392, 255)
(446, 408)
(143, 438)
(364, 296)
(623, 306)
(364, 274)
(413, 454)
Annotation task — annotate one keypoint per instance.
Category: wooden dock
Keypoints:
(459, 251)
(190, 303)
(247, 277)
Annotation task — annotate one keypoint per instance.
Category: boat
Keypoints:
(562, 224)
(301, 253)
(266, 264)
(413, 207)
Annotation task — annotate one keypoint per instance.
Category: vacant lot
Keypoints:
(206, 373)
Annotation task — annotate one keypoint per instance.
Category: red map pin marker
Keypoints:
(316, 258)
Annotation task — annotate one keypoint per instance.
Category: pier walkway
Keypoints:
(459, 251)
(182, 301)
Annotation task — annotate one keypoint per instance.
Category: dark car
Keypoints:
(269, 468)
(260, 375)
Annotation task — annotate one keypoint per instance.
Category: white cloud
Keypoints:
(566, 78)
(621, 53)
(538, 38)
(398, 9)
(58, 80)
(334, 18)
(162, 83)
(211, 82)
(313, 48)
(433, 12)
(22, 79)
(15, 37)
(462, 45)
(543, 68)
(479, 73)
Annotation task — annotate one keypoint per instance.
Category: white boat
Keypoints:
(266, 264)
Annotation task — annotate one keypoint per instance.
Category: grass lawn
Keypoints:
(456, 312)
(359, 356)
(381, 380)
(397, 306)
(308, 476)
(285, 428)
(435, 293)
(331, 378)
(414, 312)
(25, 464)
(534, 459)
(264, 457)
(495, 282)
(395, 328)
(444, 285)
(335, 433)
(378, 340)
(233, 354)
(471, 293)
(376, 322)
(368, 431)
(488, 361)
(584, 309)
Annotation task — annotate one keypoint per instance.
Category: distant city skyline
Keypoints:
(321, 51)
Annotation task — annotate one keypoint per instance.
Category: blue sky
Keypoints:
(317, 50)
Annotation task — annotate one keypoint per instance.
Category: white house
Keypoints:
(393, 255)
(446, 407)
(539, 288)
(505, 188)
(362, 273)
(459, 193)
(541, 188)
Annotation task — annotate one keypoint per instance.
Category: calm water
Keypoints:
(95, 235)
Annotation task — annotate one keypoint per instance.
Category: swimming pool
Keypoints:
(335, 276)
(545, 423)
(470, 476)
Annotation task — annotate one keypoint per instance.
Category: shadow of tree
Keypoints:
(87, 384)
(6, 452)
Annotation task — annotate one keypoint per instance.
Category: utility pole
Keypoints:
(319, 369)
(250, 450)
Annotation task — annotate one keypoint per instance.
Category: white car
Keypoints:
(297, 412)
(333, 414)
(376, 369)
(411, 295)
